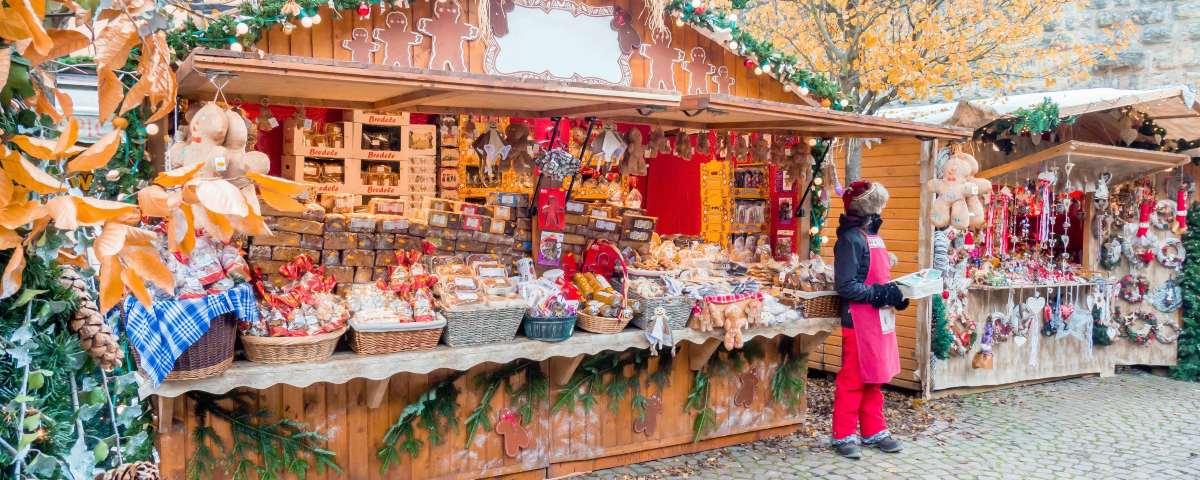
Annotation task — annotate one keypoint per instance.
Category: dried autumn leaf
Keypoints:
(44, 107)
(65, 103)
(178, 176)
(94, 211)
(12, 28)
(111, 240)
(136, 286)
(30, 176)
(18, 214)
(5, 61)
(68, 257)
(6, 189)
(281, 202)
(181, 231)
(39, 148)
(98, 154)
(110, 287)
(155, 201)
(9, 239)
(221, 197)
(114, 42)
(109, 92)
(62, 212)
(276, 184)
(65, 43)
(147, 262)
(11, 281)
(25, 9)
(253, 223)
(35, 231)
(67, 137)
(160, 76)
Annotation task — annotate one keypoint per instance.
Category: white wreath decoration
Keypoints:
(1170, 253)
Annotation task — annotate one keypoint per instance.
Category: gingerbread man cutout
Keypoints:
(395, 40)
(698, 69)
(662, 59)
(449, 34)
(360, 45)
(745, 391)
(648, 424)
(498, 11)
(515, 436)
(628, 39)
(723, 80)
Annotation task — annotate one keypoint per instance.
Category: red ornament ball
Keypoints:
(945, 294)
(750, 63)
(699, 10)
(364, 9)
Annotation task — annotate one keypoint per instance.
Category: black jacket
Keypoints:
(852, 259)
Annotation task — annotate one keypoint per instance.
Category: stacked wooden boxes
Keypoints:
(502, 229)
(595, 220)
(369, 154)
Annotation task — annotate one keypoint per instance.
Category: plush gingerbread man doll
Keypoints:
(449, 34)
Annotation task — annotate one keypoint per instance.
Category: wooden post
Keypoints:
(561, 369)
(698, 355)
(376, 389)
(165, 410)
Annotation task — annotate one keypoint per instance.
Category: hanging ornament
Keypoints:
(758, 70)
(1181, 197)
(363, 11)
(113, 175)
(290, 9)
(306, 22)
(152, 129)
(1166, 298)
(235, 46)
(288, 28)
(241, 29)
(749, 63)
(1144, 209)
(316, 18)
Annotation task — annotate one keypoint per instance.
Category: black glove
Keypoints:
(902, 305)
(887, 295)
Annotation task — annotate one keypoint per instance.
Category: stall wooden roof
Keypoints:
(728, 112)
(283, 79)
(1124, 163)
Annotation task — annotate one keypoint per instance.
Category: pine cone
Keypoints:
(95, 336)
(132, 471)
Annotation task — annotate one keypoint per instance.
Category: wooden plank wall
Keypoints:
(896, 163)
(570, 440)
(324, 40)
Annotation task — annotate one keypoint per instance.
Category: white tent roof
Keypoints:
(1173, 108)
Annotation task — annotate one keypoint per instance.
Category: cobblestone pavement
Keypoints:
(1130, 426)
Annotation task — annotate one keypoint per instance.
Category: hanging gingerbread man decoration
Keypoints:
(698, 69)
(449, 34)
(515, 436)
(745, 391)
(662, 59)
(648, 423)
(498, 11)
(360, 45)
(628, 39)
(723, 80)
(395, 40)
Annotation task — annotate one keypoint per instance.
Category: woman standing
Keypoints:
(870, 356)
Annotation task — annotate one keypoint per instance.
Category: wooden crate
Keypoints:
(376, 118)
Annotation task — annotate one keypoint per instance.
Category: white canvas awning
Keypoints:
(1173, 108)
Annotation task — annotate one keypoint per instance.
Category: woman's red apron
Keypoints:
(875, 329)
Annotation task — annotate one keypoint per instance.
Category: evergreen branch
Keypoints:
(433, 410)
(697, 400)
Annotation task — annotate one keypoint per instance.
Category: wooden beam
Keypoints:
(164, 411)
(1147, 159)
(376, 390)
(588, 109)
(495, 112)
(409, 99)
(698, 354)
(561, 369)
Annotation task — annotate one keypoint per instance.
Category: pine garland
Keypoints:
(534, 389)
(818, 209)
(722, 362)
(1188, 366)
(941, 342)
(435, 410)
(787, 383)
(283, 446)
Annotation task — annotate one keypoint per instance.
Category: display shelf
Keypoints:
(346, 366)
(1028, 286)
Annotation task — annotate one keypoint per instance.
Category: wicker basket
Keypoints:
(209, 356)
(679, 310)
(825, 306)
(291, 349)
(413, 337)
(598, 324)
(476, 327)
(549, 329)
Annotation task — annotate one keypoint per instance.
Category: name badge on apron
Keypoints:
(887, 320)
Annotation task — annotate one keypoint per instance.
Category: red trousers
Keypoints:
(855, 403)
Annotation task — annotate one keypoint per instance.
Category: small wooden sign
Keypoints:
(439, 219)
(476, 223)
(575, 207)
(603, 225)
(637, 236)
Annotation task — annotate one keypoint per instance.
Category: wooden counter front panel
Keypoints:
(572, 437)
(324, 40)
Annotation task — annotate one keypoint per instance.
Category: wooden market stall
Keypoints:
(1126, 136)
(608, 402)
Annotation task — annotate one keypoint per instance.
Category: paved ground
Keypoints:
(1131, 426)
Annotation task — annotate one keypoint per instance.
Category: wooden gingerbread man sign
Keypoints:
(360, 45)
(662, 59)
(698, 69)
(515, 436)
(396, 40)
(449, 33)
(648, 424)
(723, 80)
(745, 392)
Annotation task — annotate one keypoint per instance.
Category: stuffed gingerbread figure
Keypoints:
(960, 196)
(218, 138)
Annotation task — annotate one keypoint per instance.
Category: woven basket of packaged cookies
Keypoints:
(478, 300)
(395, 314)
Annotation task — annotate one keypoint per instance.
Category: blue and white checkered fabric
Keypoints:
(162, 333)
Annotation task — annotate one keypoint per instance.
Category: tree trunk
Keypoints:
(853, 159)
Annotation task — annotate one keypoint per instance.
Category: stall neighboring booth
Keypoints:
(357, 397)
(1114, 168)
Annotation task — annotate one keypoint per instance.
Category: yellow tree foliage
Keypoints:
(880, 51)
